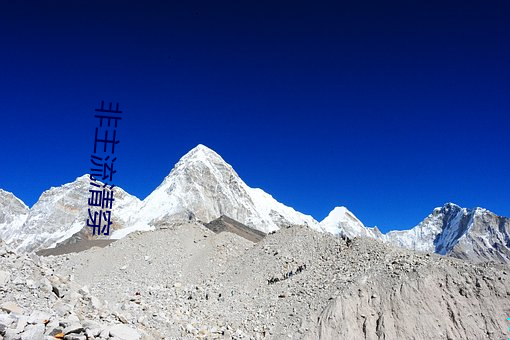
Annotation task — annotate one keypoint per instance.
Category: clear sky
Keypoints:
(389, 108)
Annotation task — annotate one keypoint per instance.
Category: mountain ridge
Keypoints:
(203, 187)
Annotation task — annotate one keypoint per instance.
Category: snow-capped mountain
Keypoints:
(342, 222)
(61, 213)
(475, 234)
(203, 187)
(13, 213)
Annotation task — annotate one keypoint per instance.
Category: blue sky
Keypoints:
(389, 108)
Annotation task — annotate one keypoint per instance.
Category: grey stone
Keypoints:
(31, 284)
(72, 320)
(74, 328)
(105, 333)
(11, 334)
(4, 277)
(124, 332)
(75, 337)
(51, 326)
(35, 258)
(84, 291)
(57, 290)
(93, 332)
(21, 323)
(62, 308)
(11, 306)
(54, 331)
(90, 324)
(38, 317)
(33, 332)
(95, 302)
(122, 317)
(6, 320)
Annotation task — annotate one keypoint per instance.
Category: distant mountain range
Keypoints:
(473, 234)
(203, 187)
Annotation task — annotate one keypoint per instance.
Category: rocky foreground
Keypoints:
(186, 282)
(38, 303)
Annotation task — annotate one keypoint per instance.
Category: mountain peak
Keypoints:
(83, 178)
(202, 147)
(451, 205)
(201, 152)
(203, 186)
(201, 159)
(342, 214)
(340, 211)
(341, 221)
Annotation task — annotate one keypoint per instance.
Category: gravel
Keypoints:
(185, 282)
